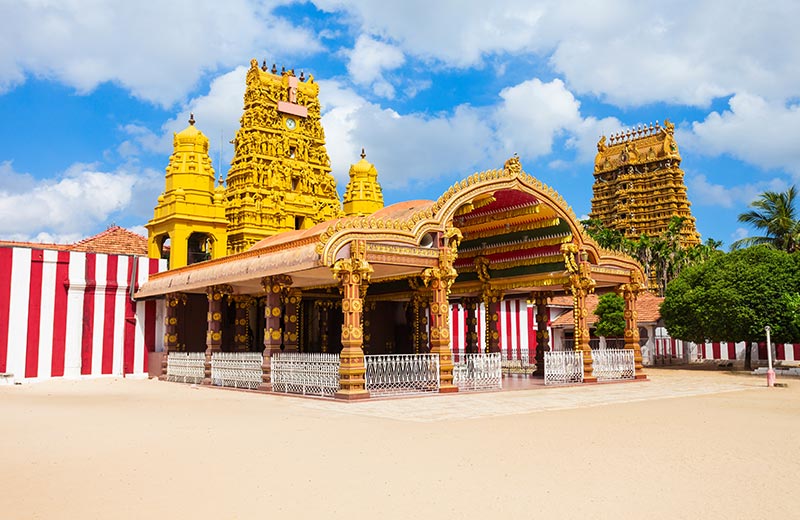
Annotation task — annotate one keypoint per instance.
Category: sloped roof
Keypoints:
(114, 240)
(647, 308)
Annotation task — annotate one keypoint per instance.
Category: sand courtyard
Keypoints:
(685, 444)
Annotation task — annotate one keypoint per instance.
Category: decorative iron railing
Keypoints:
(479, 372)
(236, 369)
(402, 374)
(186, 367)
(613, 364)
(306, 373)
(563, 367)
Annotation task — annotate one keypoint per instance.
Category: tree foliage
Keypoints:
(733, 296)
(662, 257)
(611, 316)
(775, 214)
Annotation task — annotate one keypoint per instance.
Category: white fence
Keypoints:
(305, 373)
(479, 372)
(186, 367)
(402, 374)
(563, 367)
(613, 364)
(236, 369)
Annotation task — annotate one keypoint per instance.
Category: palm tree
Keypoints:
(776, 215)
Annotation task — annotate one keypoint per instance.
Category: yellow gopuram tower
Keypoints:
(363, 195)
(638, 183)
(280, 177)
(190, 215)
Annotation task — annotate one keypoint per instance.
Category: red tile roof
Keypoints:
(647, 308)
(114, 240)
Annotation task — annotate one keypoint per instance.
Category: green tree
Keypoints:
(662, 257)
(731, 297)
(610, 312)
(775, 214)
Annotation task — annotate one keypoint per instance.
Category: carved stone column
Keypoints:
(580, 285)
(171, 328)
(440, 279)
(491, 301)
(352, 273)
(273, 288)
(241, 339)
(291, 320)
(215, 295)
(420, 325)
(471, 340)
(369, 308)
(540, 299)
(630, 293)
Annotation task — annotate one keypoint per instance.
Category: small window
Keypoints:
(298, 222)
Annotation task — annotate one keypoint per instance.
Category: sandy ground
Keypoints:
(683, 445)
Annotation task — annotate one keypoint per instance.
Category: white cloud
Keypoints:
(73, 205)
(739, 233)
(415, 148)
(753, 130)
(369, 59)
(157, 50)
(624, 51)
(705, 193)
(406, 149)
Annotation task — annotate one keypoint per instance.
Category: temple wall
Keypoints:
(70, 314)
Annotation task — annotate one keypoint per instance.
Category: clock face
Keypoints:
(291, 124)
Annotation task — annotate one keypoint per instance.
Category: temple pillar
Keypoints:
(630, 293)
(352, 273)
(580, 284)
(440, 279)
(215, 295)
(273, 337)
(542, 336)
(491, 301)
(471, 340)
(241, 338)
(369, 308)
(291, 320)
(171, 328)
(420, 324)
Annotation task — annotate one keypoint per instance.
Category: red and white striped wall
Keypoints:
(516, 325)
(732, 351)
(70, 314)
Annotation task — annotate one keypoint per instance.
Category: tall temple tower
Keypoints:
(190, 214)
(280, 177)
(363, 195)
(638, 183)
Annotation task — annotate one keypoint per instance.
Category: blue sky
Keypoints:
(91, 92)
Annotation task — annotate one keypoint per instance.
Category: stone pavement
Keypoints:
(502, 403)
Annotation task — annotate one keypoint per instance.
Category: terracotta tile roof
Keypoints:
(646, 306)
(114, 240)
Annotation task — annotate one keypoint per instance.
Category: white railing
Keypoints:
(186, 367)
(613, 364)
(236, 369)
(563, 367)
(402, 374)
(306, 373)
(479, 372)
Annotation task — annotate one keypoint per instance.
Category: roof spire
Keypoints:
(363, 154)
(191, 118)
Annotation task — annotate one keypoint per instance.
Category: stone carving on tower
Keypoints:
(638, 183)
(280, 176)
(363, 195)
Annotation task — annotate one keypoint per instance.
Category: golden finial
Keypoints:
(363, 154)
(191, 118)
